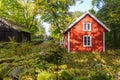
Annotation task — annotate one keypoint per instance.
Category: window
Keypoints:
(87, 41)
(87, 26)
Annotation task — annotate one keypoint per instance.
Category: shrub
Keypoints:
(23, 49)
(55, 55)
(81, 78)
(101, 75)
(66, 75)
(118, 52)
(46, 76)
(4, 70)
(84, 78)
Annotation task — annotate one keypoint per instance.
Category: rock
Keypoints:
(42, 53)
(15, 73)
(6, 66)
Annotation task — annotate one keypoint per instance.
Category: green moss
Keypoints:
(46, 76)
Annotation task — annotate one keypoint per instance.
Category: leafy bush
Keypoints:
(81, 78)
(101, 75)
(66, 75)
(4, 70)
(26, 47)
(46, 76)
(55, 54)
(118, 52)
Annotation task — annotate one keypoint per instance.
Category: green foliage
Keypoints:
(4, 70)
(41, 30)
(101, 75)
(29, 13)
(26, 47)
(70, 74)
(73, 66)
(66, 75)
(13, 48)
(54, 58)
(55, 54)
(46, 76)
(118, 52)
(83, 78)
(108, 13)
(13, 45)
(56, 13)
(20, 12)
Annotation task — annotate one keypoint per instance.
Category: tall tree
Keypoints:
(19, 11)
(72, 16)
(109, 14)
(56, 13)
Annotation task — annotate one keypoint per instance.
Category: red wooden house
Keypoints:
(86, 34)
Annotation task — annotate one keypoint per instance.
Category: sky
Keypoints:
(85, 6)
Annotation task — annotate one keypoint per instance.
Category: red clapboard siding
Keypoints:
(77, 33)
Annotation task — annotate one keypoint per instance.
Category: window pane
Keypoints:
(88, 40)
(85, 40)
(88, 27)
(85, 26)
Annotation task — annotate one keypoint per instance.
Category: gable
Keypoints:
(84, 16)
(94, 24)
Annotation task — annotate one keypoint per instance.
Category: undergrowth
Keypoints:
(48, 57)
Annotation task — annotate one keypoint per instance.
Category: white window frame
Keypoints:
(86, 25)
(88, 42)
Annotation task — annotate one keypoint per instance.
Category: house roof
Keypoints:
(87, 13)
(13, 25)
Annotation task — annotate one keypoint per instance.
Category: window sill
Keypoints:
(86, 30)
(87, 46)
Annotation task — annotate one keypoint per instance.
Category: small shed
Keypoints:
(9, 29)
(86, 34)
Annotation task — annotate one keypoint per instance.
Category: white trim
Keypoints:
(87, 42)
(103, 41)
(68, 41)
(87, 13)
(88, 23)
(90, 26)
(91, 41)
(100, 22)
(64, 39)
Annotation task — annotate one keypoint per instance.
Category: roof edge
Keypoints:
(77, 20)
(99, 22)
(14, 25)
